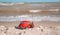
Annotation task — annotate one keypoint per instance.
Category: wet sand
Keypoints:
(44, 23)
(20, 9)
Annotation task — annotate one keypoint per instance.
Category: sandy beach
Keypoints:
(40, 28)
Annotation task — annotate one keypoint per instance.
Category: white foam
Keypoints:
(27, 17)
(11, 3)
(6, 4)
(53, 10)
(34, 10)
(24, 16)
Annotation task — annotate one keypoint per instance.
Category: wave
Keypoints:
(29, 17)
(10, 3)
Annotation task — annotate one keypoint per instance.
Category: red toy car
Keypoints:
(25, 24)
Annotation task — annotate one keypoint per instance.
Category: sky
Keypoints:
(29, 0)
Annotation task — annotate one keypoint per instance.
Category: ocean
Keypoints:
(29, 0)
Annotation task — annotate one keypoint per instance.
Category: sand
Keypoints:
(41, 28)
